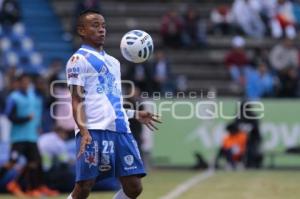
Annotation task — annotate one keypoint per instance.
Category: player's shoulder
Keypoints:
(112, 58)
(14, 95)
(77, 60)
(76, 57)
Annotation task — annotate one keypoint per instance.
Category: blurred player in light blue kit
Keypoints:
(105, 145)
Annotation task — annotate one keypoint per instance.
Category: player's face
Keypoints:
(25, 83)
(94, 29)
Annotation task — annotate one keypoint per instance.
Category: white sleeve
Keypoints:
(76, 70)
(130, 113)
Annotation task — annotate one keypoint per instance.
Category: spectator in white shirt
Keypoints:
(222, 19)
(246, 14)
(53, 148)
(283, 22)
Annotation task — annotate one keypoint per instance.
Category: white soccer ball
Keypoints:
(136, 46)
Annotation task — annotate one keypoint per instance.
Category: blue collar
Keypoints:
(102, 52)
(22, 92)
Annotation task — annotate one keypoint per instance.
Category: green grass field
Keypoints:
(222, 185)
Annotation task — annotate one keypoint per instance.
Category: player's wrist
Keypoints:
(84, 132)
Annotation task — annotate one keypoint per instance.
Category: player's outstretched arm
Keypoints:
(147, 118)
(79, 116)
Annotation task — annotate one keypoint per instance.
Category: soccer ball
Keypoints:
(136, 46)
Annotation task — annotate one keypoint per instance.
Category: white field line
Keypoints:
(188, 184)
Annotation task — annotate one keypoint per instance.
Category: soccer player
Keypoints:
(104, 143)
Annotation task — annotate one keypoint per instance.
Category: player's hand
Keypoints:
(147, 118)
(86, 139)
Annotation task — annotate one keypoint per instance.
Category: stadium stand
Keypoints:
(24, 45)
(18, 49)
(204, 69)
(46, 32)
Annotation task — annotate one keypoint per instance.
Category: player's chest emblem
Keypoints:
(128, 160)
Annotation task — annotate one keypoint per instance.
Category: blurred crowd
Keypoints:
(186, 30)
(35, 120)
(268, 71)
(262, 71)
(252, 18)
(10, 12)
(265, 73)
(155, 77)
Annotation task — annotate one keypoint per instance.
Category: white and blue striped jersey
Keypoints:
(99, 74)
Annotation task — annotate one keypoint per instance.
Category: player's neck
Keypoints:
(96, 47)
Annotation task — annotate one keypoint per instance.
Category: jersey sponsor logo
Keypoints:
(69, 70)
(109, 89)
(104, 168)
(73, 75)
(130, 168)
(129, 159)
(73, 72)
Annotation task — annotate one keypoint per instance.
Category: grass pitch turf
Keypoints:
(223, 185)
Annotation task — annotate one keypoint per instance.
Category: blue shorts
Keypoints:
(111, 154)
